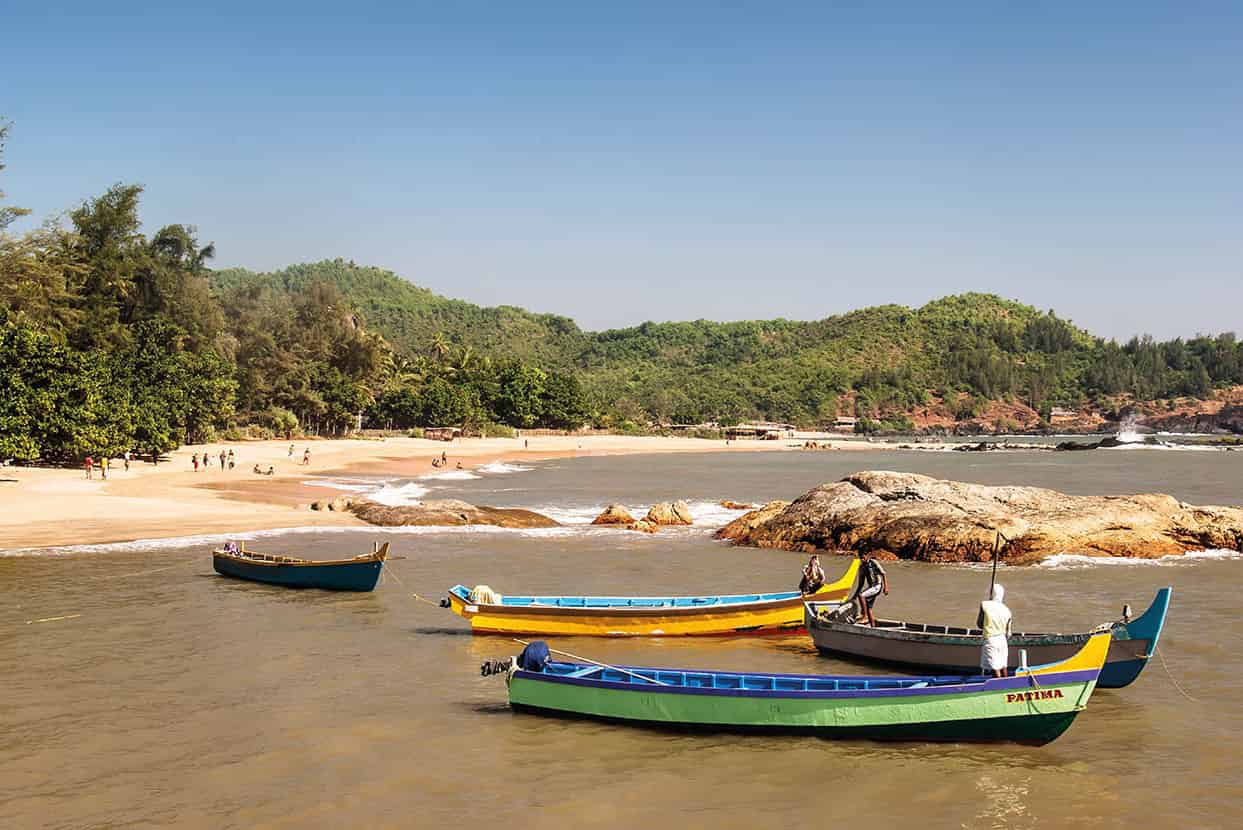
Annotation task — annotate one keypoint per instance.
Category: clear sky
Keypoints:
(617, 162)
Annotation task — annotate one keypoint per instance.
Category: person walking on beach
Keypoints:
(127, 461)
(195, 459)
(291, 450)
(306, 456)
(231, 462)
(872, 583)
(90, 464)
(223, 458)
(103, 467)
(995, 620)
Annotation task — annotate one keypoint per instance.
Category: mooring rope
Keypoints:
(1170, 675)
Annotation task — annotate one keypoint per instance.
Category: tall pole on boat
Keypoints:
(996, 553)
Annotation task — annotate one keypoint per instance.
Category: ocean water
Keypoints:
(168, 696)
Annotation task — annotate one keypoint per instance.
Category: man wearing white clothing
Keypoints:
(995, 619)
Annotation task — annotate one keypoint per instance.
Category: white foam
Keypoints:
(705, 514)
(1070, 561)
(216, 539)
(399, 496)
(451, 475)
(353, 485)
(502, 468)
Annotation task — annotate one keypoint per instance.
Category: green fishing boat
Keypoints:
(1034, 706)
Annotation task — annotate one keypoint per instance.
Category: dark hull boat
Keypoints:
(946, 648)
(358, 574)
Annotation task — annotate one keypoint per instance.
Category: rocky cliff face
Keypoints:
(918, 517)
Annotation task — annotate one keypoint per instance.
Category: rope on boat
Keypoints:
(597, 663)
(425, 599)
(1170, 675)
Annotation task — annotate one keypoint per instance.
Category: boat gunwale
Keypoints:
(972, 684)
(897, 629)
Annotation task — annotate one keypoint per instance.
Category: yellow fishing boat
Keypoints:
(774, 613)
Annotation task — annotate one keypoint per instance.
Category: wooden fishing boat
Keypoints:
(780, 612)
(928, 647)
(1033, 707)
(358, 574)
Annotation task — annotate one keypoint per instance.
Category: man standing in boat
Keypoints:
(995, 619)
(872, 583)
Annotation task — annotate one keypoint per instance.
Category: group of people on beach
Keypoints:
(103, 464)
(994, 619)
(227, 461)
(443, 461)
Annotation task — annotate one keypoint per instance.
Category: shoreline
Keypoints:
(58, 507)
(48, 507)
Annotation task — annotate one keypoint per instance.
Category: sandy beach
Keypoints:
(46, 507)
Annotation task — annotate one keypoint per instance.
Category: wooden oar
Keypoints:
(597, 663)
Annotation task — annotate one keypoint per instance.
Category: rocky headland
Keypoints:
(909, 516)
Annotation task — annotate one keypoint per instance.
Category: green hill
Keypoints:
(957, 352)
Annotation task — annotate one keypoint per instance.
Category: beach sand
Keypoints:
(44, 507)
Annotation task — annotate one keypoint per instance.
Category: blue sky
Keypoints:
(623, 162)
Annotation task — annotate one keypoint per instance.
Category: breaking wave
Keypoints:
(399, 496)
(1071, 561)
(501, 468)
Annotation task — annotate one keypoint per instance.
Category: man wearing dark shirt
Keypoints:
(872, 582)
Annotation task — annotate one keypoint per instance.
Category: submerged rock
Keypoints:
(614, 514)
(918, 517)
(448, 512)
(666, 513)
(736, 505)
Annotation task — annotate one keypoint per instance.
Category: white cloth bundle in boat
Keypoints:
(483, 595)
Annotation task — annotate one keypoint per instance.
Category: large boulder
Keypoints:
(740, 529)
(918, 517)
(448, 512)
(614, 514)
(666, 513)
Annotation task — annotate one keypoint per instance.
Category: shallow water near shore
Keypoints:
(180, 698)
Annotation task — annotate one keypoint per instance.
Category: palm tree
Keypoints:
(440, 346)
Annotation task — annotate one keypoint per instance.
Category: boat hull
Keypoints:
(1131, 645)
(347, 576)
(1031, 709)
(765, 617)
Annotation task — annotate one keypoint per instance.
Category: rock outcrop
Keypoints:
(448, 512)
(918, 517)
(669, 513)
(736, 505)
(740, 529)
(614, 514)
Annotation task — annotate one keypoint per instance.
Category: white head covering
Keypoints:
(998, 593)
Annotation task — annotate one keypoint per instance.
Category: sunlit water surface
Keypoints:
(180, 698)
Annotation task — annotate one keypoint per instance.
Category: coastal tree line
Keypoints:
(114, 340)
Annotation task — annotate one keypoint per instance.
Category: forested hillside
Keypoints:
(877, 363)
(113, 339)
